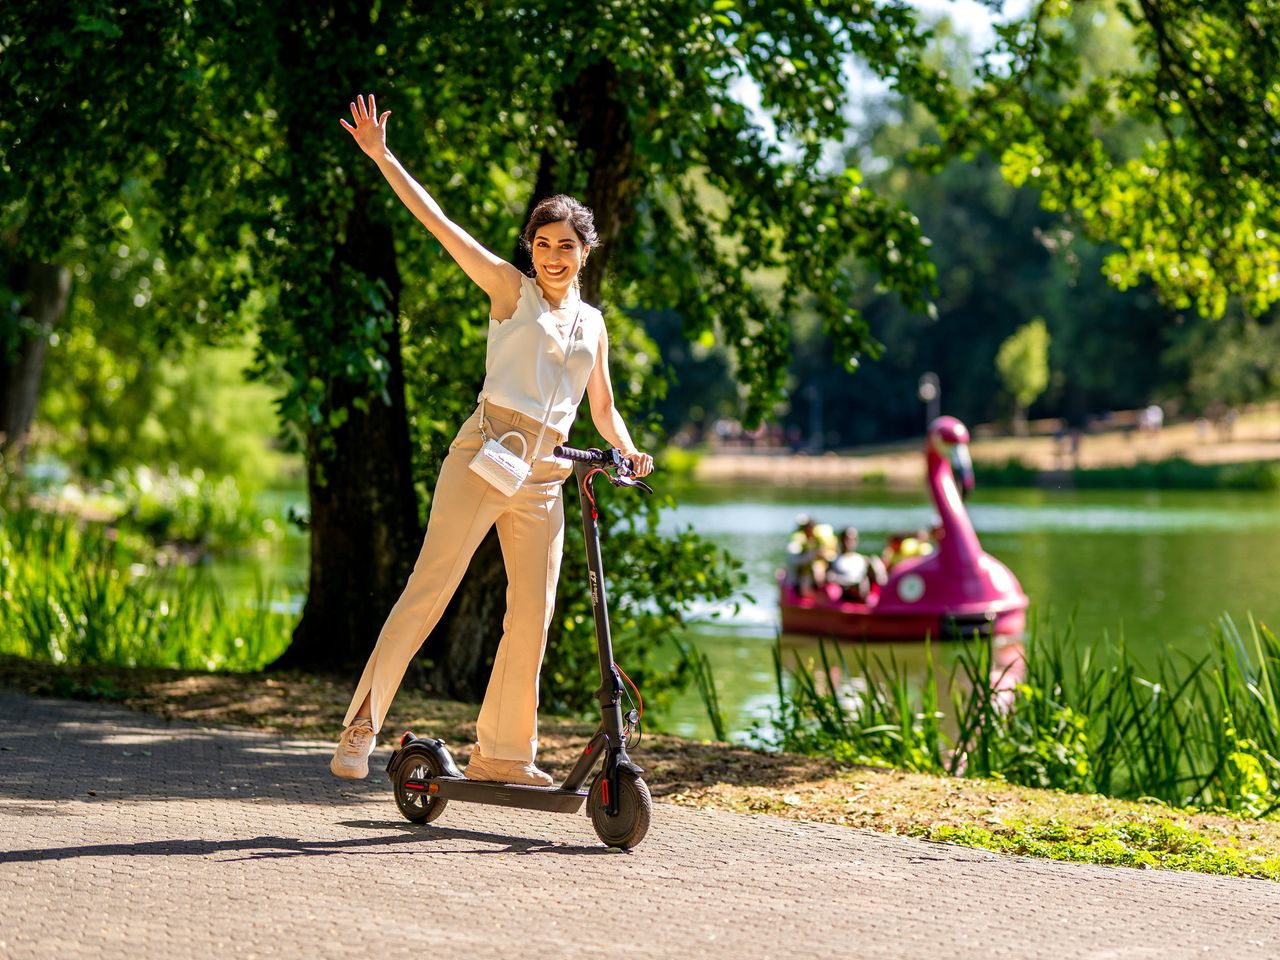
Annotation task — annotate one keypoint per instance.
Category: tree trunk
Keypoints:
(461, 649)
(44, 290)
(364, 524)
(364, 518)
(1019, 420)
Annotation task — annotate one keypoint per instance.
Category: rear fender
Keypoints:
(424, 748)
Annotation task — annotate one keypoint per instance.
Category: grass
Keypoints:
(1203, 733)
(75, 592)
(1157, 843)
(1176, 473)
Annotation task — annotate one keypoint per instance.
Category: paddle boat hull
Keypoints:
(824, 616)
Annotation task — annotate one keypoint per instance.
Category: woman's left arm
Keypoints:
(604, 413)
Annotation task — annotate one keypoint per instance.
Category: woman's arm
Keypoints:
(495, 276)
(604, 413)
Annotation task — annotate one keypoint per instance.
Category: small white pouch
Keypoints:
(498, 463)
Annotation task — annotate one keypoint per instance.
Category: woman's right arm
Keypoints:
(495, 276)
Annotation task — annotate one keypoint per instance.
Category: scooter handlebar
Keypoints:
(582, 456)
(625, 472)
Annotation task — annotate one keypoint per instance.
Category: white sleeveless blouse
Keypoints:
(525, 360)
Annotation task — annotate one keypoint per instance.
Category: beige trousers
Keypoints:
(531, 531)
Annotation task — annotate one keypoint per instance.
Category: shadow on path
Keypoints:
(60, 751)
(272, 847)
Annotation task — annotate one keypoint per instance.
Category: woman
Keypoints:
(545, 349)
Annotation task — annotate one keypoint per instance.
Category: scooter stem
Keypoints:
(610, 692)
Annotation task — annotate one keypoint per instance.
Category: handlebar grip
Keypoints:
(583, 456)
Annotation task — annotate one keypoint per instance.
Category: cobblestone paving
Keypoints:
(124, 836)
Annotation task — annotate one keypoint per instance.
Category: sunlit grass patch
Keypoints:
(1157, 843)
(71, 593)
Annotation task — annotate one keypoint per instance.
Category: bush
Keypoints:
(171, 507)
(1203, 733)
(70, 592)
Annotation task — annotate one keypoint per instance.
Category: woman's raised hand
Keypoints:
(370, 131)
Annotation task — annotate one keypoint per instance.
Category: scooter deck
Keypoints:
(551, 799)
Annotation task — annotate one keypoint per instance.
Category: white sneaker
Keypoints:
(351, 758)
(506, 771)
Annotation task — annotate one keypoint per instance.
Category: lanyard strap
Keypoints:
(546, 415)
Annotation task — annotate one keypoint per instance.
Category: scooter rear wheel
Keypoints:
(635, 809)
(417, 805)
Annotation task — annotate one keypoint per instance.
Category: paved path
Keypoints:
(124, 836)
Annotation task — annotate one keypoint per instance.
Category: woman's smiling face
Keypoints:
(558, 255)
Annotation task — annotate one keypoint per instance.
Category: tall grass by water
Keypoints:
(71, 593)
(1175, 473)
(1189, 732)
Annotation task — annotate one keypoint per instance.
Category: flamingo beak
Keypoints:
(963, 467)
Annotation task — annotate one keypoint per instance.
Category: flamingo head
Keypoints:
(949, 439)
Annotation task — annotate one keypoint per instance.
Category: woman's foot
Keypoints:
(351, 758)
(506, 771)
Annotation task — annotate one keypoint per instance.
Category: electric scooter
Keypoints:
(423, 773)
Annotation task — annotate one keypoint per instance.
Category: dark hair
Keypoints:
(557, 208)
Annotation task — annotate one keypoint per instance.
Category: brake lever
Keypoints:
(630, 482)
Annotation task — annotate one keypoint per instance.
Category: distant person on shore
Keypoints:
(853, 572)
(1151, 419)
(810, 551)
(1077, 438)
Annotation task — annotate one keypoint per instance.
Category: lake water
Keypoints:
(1158, 567)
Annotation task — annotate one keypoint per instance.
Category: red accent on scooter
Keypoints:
(586, 486)
(405, 736)
(604, 791)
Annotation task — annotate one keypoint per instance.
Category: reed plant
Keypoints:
(698, 665)
(1201, 732)
(70, 592)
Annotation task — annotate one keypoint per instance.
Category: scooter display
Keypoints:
(425, 777)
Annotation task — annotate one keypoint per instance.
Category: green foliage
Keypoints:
(1193, 208)
(1203, 733)
(1175, 473)
(679, 463)
(71, 593)
(1002, 261)
(244, 208)
(1023, 363)
(190, 509)
(652, 587)
(1154, 842)
(1179, 474)
(1231, 363)
(1012, 473)
(110, 403)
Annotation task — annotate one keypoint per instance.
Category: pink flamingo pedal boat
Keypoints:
(957, 590)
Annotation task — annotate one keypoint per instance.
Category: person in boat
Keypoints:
(853, 572)
(810, 551)
(903, 546)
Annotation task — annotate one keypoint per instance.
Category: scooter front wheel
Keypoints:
(635, 809)
(416, 804)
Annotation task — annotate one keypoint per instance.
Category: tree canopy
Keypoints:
(204, 138)
(1194, 210)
